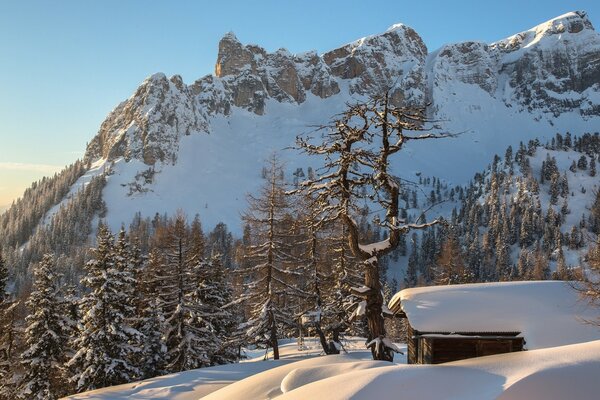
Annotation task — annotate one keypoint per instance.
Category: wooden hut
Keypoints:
(450, 323)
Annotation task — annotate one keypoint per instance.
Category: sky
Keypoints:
(64, 65)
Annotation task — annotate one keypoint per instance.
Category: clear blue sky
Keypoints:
(65, 64)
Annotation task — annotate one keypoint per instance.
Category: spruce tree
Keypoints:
(152, 321)
(105, 339)
(8, 337)
(184, 331)
(214, 294)
(44, 357)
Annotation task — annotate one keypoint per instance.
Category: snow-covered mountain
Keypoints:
(200, 147)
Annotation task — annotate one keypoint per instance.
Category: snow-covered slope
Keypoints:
(200, 147)
(568, 372)
(564, 364)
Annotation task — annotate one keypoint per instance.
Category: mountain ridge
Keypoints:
(227, 123)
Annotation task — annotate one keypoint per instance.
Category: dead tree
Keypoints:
(357, 147)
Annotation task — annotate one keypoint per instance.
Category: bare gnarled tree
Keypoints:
(357, 147)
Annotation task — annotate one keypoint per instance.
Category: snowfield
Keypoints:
(563, 360)
(566, 372)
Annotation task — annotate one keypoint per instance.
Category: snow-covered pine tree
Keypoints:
(10, 338)
(184, 331)
(151, 319)
(44, 357)
(7, 336)
(127, 265)
(213, 292)
(105, 339)
(270, 278)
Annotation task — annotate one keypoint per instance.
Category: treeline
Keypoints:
(512, 223)
(135, 316)
(164, 297)
(18, 222)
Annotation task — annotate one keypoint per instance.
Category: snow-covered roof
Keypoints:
(547, 313)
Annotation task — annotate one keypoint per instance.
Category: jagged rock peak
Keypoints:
(574, 22)
(571, 22)
(233, 57)
(374, 63)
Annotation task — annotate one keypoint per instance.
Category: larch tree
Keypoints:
(270, 279)
(44, 357)
(357, 148)
(450, 265)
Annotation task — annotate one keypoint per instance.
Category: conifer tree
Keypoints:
(44, 357)
(410, 277)
(152, 321)
(271, 281)
(104, 341)
(213, 293)
(450, 267)
(523, 265)
(9, 349)
(357, 149)
(8, 337)
(127, 267)
(541, 268)
(184, 331)
(340, 298)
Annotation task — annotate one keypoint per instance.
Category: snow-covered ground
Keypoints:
(194, 384)
(564, 362)
(567, 372)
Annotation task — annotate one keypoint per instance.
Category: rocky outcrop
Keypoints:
(468, 62)
(393, 61)
(550, 69)
(554, 66)
(147, 126)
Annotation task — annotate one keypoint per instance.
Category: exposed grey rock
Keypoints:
(550, 69)
(147, 126)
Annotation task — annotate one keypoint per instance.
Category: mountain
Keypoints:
(200, 147)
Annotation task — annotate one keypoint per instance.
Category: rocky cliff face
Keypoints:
(548, 70)
(552, 68)
(148, 125)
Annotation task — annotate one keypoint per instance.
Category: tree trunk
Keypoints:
(328, 347)
(373, 313)
(274, 342)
